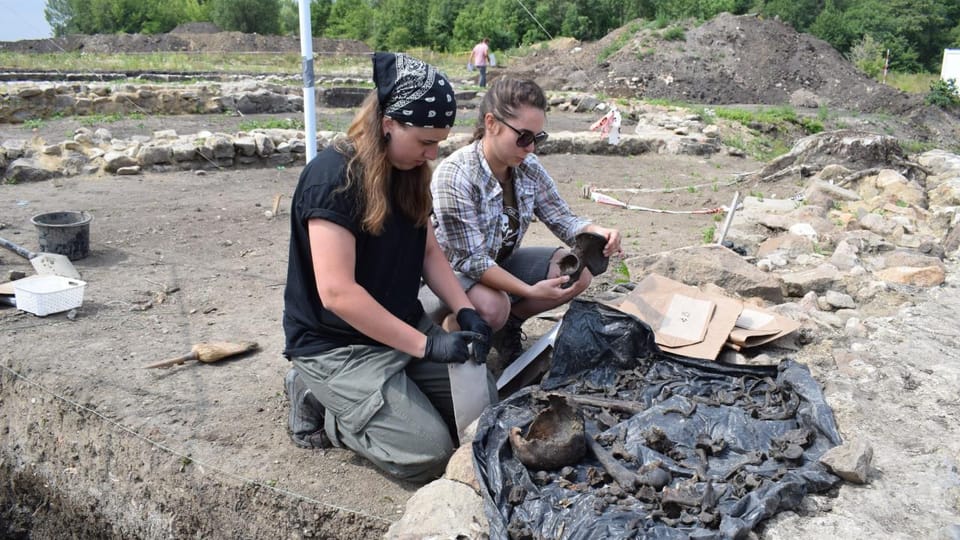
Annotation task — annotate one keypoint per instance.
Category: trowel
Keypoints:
(46, 264)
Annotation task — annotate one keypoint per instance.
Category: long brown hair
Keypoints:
(379, 181)
(505, 96)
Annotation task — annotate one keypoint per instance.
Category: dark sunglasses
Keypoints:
(524, 136)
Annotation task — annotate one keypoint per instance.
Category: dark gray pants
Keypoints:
(394, 410)
(530, 264)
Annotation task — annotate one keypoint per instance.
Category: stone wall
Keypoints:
(97, 152)
(22, 102)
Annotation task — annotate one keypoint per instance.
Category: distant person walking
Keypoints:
(480, 57)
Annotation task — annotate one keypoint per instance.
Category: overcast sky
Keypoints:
(23, 19)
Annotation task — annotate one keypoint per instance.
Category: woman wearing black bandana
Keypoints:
(369, 368)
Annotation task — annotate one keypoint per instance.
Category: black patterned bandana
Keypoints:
(413, 92)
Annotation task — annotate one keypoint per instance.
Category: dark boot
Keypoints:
(508, 342)
(305, 423)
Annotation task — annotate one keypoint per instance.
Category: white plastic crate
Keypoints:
(43, 295)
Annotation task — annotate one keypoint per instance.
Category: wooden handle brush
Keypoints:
(209, 352)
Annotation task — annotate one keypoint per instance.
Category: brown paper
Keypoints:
(757, 327)
(654, 300)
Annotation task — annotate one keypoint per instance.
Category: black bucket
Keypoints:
(65, 233)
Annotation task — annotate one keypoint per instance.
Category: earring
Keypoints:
(386, 137)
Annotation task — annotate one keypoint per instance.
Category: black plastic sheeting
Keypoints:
(749, 413)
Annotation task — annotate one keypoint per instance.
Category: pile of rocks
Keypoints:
(834, 254)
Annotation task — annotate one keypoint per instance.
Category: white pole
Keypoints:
(309, 95)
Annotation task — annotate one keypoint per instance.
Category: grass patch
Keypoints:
(707, 234)
(811, 125)
(282, 64)
(675, 33)
(97, 119)
(273, 123)
(644, 53)
(765, 149)
(614, 47)
(912, 83)
(34, 123)
(772, 115)
(916, 147)
(621, 273)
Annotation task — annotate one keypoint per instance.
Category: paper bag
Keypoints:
(469, 390)
(756, 326)
(685, 320)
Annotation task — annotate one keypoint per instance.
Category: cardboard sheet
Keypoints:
(685, 320)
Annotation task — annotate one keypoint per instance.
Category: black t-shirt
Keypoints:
(509, 222)
(389, 266)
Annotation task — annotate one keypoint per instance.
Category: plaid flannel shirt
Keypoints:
(468, 205)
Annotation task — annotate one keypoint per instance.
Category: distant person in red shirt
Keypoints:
(480, 57)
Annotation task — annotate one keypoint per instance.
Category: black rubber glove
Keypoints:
(471, 321)
(450, 347)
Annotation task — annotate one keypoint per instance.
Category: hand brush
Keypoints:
(209, 352)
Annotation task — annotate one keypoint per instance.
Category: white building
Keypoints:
(951, 65)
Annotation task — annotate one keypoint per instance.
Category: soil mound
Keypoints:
(196, 28)
(184, 40)
(727, 60)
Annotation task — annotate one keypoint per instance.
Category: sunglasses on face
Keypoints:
(525, 137)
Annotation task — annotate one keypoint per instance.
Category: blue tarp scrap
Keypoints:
(741, 443)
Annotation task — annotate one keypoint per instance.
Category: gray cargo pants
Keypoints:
(394, 410)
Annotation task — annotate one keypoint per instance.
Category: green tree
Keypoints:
(915, 31)
(574, 24)
(438, 27)
(467, 29)
(398, 25)
(868, 56)
(319, 15)
(165, 15)
(832, 26)
(290, 18)
(260, 16)
(62, 16)
(351, 19)
(697, 9)
(498, 20)
(111, 16)
(799, 14)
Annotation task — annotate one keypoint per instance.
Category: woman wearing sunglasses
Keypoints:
(484, 197)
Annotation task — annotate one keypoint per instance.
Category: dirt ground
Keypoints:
(176, 259)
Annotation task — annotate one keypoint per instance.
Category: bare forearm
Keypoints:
(447, 288)
(497, 278)
(440, 277)
(354, 305)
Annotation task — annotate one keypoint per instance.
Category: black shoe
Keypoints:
(305, 423)
(508, 341)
